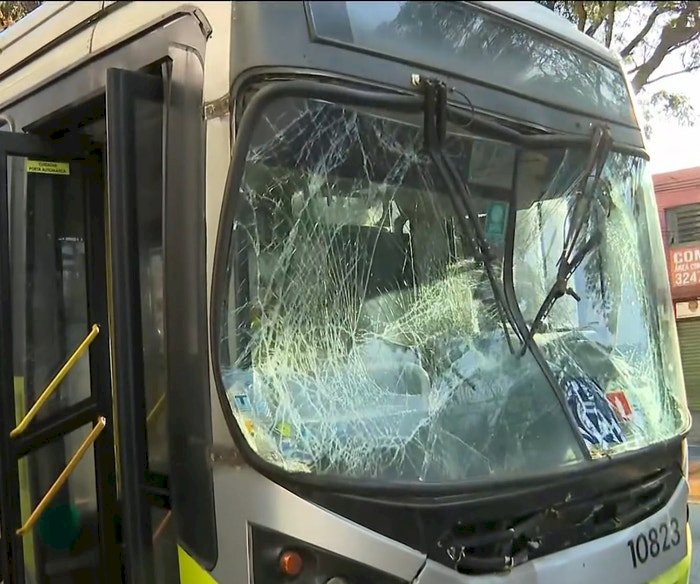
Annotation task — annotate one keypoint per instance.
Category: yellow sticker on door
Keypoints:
(47, 167)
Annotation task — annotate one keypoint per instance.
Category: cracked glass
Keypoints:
(361, 337)
(616, 345)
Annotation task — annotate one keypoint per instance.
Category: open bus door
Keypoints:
(58, 498)
(70, 333)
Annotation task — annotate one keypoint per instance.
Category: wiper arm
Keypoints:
(573, 254)
(435, 117)
(435, 132)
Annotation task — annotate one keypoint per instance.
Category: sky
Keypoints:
(672, 146)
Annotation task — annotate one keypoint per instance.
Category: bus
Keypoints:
(331, 292)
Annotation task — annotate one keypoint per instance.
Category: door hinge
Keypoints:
(217, 108)
(204, 25)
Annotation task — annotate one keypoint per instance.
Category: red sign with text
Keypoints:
(618, 400)
(684, 266)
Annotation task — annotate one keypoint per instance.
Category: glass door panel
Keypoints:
(58, 499)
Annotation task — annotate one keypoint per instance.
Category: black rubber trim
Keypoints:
(123, 88)
(12, 559)
(189, 419)
(356, 487)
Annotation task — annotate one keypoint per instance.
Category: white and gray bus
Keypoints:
(331, 292)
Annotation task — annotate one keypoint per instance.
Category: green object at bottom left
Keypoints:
(59, 526)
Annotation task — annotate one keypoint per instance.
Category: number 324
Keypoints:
(651, 544)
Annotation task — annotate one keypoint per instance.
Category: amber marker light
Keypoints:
(291, 563)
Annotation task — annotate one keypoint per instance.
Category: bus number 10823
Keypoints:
(654, 542)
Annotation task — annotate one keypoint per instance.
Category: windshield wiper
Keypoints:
(435, 133)
(435, 118)
(574, 252)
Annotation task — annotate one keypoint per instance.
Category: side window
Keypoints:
(683, 224)
(189, 411)
(148, 157)
(135, 118)
(149, 170)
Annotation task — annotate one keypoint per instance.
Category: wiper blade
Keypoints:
(435, 132)
(469, 118)
(575, 252)
(435, 114)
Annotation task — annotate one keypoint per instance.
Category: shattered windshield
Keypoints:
(613, 337)
(360, 336)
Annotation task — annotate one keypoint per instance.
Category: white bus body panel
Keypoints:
(218, 145)
(134, 15)
(245, 498)
(53, 19)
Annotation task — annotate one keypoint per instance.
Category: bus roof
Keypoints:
(57, 36)
(53, 19)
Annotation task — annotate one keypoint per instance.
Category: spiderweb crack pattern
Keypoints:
(370, 344)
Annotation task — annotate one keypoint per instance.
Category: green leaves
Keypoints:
(656, 40)
(11, 12)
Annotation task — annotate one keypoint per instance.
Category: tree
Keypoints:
(646, 35)
(11, 12)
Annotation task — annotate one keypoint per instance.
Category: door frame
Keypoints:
(183, 42)
(85, 411)
(124, 89)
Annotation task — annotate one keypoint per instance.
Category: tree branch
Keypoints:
(580, 10)
(675, 34)
(593, 28)
(626, 51)
(610, 23)
(666, 75)
(597, 19)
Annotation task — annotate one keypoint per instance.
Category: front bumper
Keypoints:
(605, 560)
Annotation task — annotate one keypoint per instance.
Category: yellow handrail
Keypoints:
(161, 527)
(54, 383)
(156, 410)
(63, 477)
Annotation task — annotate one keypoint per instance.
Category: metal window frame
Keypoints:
(310, 484)
(122, 90)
